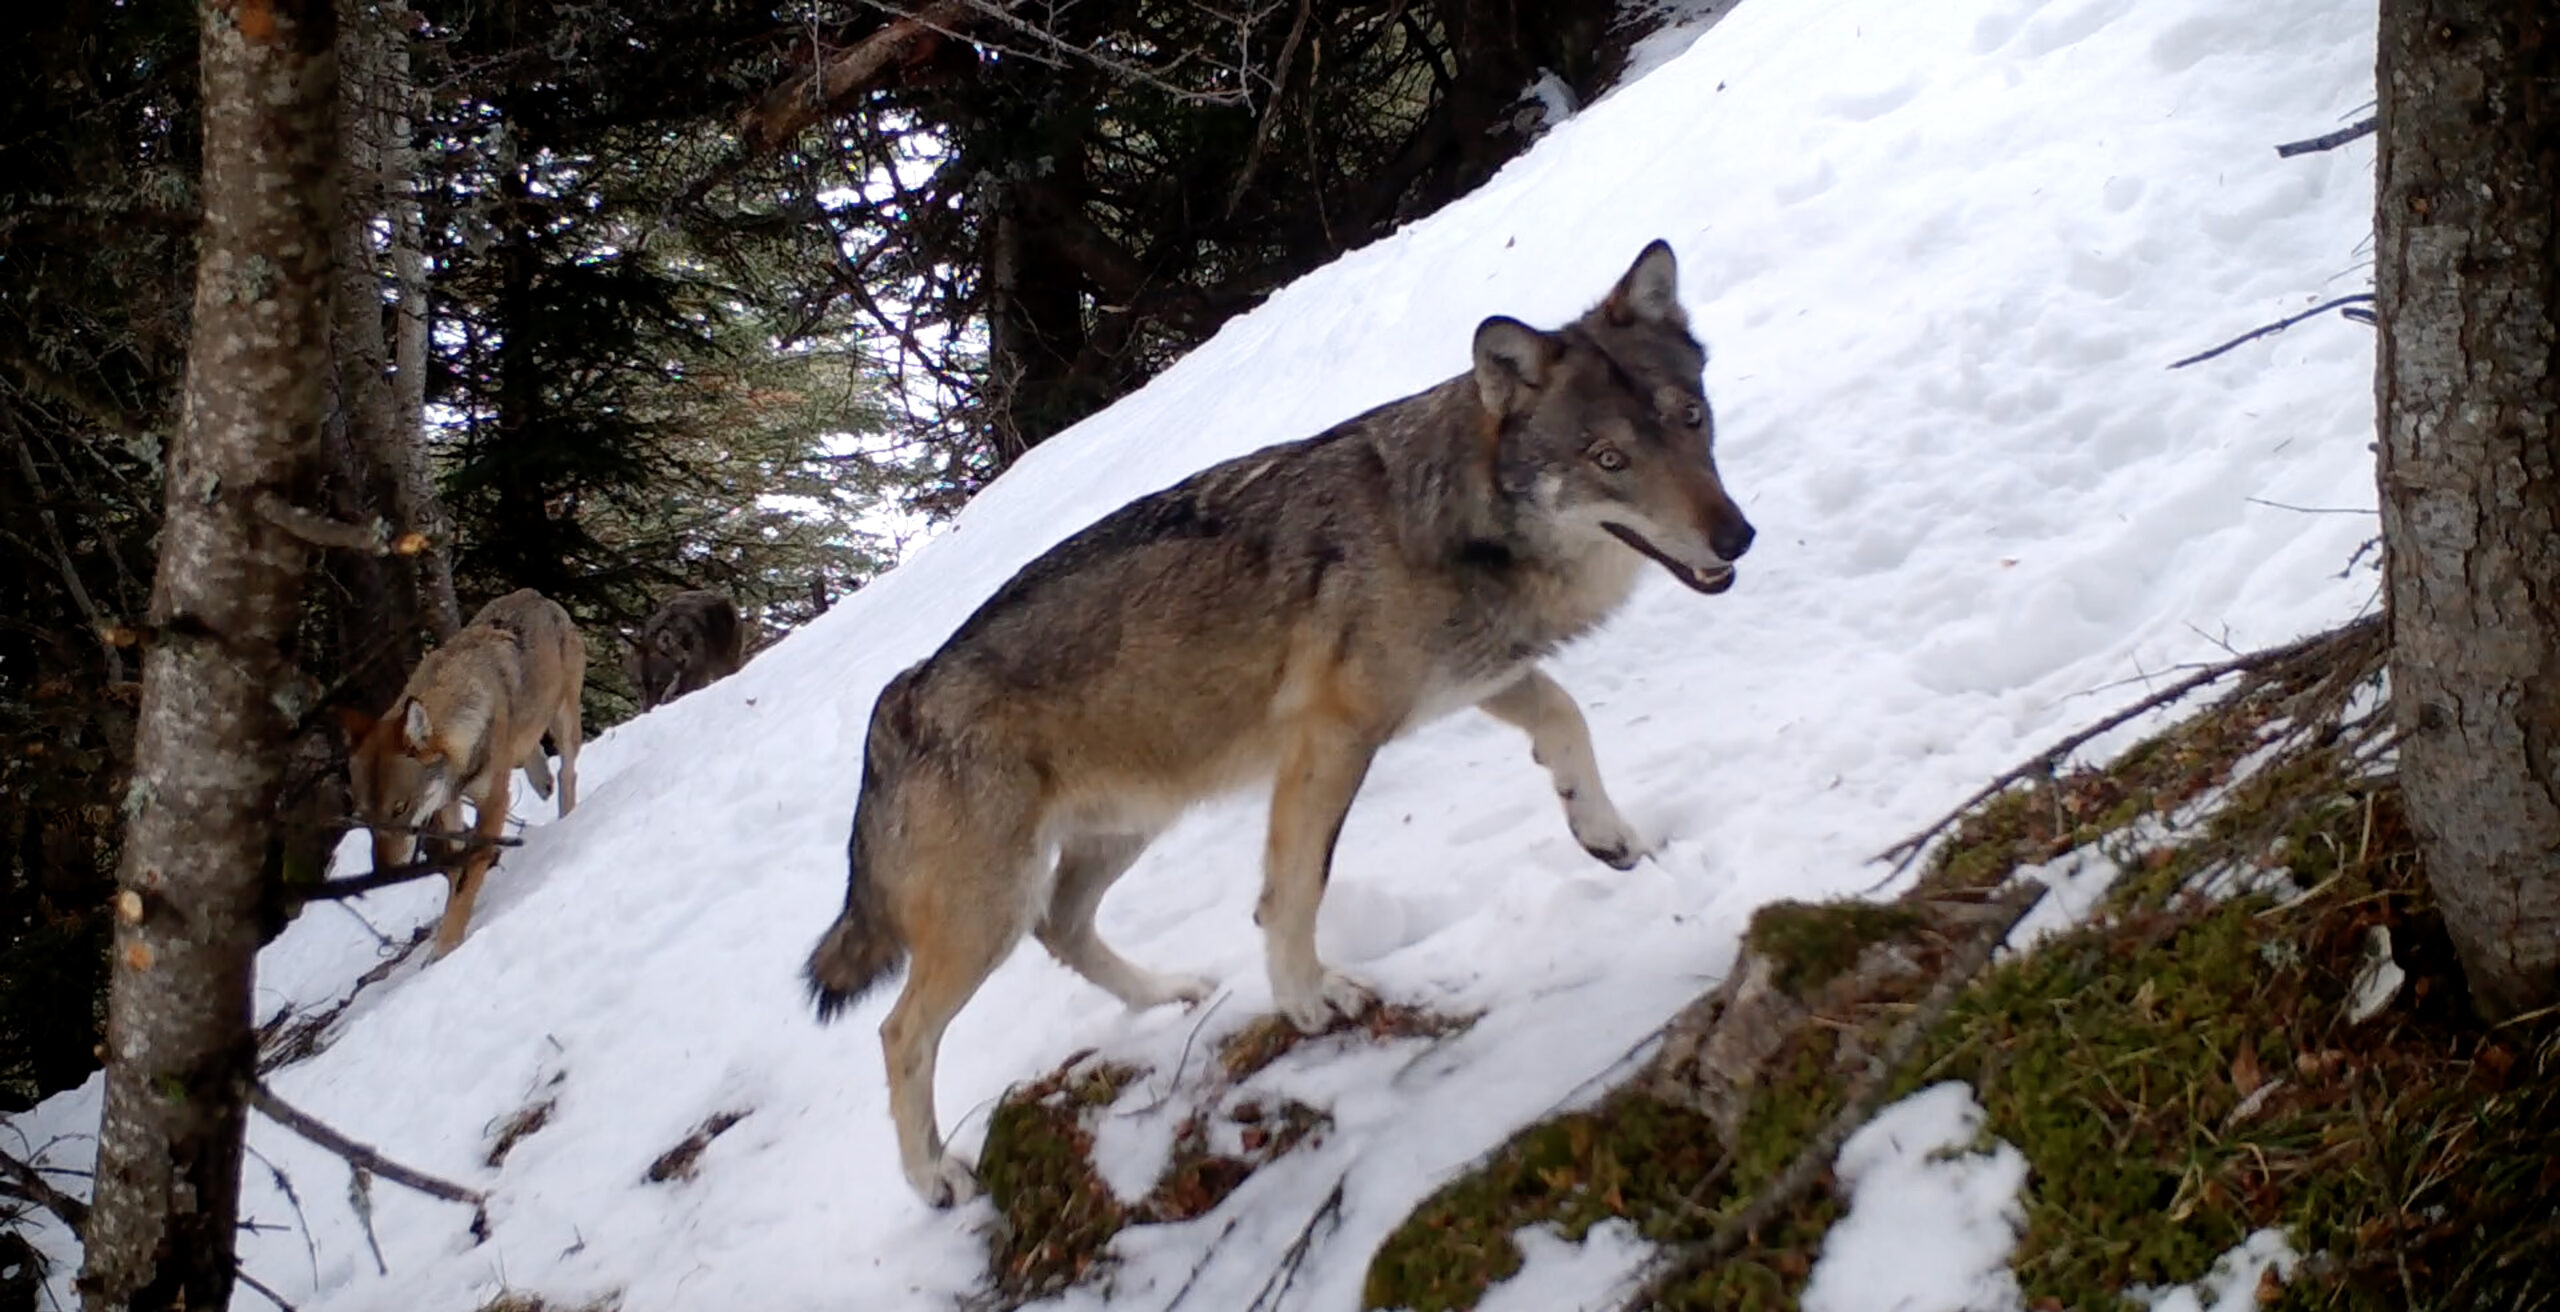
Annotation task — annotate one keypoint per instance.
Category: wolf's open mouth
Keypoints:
(1711, 580)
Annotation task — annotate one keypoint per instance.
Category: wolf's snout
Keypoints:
(1732, 538)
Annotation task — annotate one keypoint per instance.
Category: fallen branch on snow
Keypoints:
(366, 1159)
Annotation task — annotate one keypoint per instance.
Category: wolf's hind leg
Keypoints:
(1321, 766)
(1087, 867)
(1560, 741)
(955, 940)
(564, 737)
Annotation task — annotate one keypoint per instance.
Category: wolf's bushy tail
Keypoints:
(865, 946)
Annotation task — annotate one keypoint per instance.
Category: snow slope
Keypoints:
(1941, 253)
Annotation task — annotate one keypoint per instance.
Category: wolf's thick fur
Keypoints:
(694, 641)
(1279, 616)
(474, 709)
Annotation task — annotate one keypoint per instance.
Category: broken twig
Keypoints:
(357, 1155)
(31, 1185)
(2280, 325)
(2330, 140)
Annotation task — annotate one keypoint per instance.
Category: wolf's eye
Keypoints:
(1693, 414)
(1609, 458)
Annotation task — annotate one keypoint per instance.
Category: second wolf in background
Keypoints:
(1280, 616)
(474, 710)
(694, 641)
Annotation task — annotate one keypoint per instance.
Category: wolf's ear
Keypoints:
(355, 724)
(1650, 291)
(1512, 358)
(415, 726)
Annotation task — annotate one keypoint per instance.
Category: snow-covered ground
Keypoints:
(1941, 252)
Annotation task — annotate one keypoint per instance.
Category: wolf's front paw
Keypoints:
(1609, 837)
(1189, 990)
(1313, 1009)
(944, 1182)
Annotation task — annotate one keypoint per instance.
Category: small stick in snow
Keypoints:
(360, 1201)
(359, 1156)
(285, 1187)
(1206, 1256)
(1276, 1288)
(2309, 510)
(1814, 1159)
(2330, 140)
(2280, 325)
(1175, 1084)
(264, 1292)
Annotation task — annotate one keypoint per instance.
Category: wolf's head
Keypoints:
(1604, 430)
(655, 661)
(399, 777)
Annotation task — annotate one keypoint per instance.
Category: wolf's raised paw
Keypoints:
(1189, 990)
(1611, 840)
(947, 1183)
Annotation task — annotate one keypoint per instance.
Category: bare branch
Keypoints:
(32, 1186)
(62, 560)
(790, 109)
(2043, 764)
(321, 531)
(270, 1295)
(2330, 140)
(356, 1154)
(2280, 325)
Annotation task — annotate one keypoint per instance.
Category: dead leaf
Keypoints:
(2246, 1074)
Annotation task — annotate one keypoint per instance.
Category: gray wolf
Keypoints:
(693, 641)
(474, 710)
(1277, 617)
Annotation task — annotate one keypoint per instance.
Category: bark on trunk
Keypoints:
(2469, 393)
(217, 681)
(409, 340)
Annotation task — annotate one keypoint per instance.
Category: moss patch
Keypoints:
(1633, 1155)
(1812, 943)
(1055, 1214)
(2183, 1074)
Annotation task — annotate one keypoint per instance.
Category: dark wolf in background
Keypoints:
(694, 641)
(1277, 617)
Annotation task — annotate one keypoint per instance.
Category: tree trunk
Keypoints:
(423, 507)
(217, 680)
(2469, 393)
